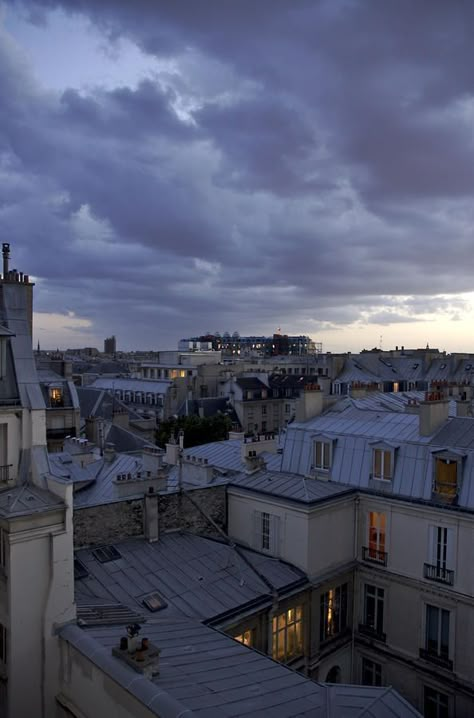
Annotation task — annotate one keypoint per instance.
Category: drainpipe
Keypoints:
(355, 585)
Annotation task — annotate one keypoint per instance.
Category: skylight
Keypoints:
(154, 602)
(104, 554)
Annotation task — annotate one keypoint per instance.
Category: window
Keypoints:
(382, 464)
(3, 644)
(264, 410)
(287, 408)
(287, 634)
(435, 704)
(375, 551)
(56, 397)
(247, 637)
(322, 455)
(266, 532)
(333, 614)
(440, 555)
(371, 673)
(437, 635)
(373, 610)
(446, 476)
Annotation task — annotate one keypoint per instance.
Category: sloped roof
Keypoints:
(199, 577)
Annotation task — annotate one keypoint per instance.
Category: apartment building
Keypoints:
(377, 508)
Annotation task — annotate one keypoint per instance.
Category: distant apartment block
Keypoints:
(110, 345)
(240, 346)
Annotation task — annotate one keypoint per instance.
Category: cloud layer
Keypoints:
(306, 165)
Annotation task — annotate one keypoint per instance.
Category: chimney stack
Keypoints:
(434, 411)
(6, 257)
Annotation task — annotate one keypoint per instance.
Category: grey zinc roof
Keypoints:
(27, 499)
(199, 577)
(104, 490)
(206, 674)
(289, 486)
(354, 431)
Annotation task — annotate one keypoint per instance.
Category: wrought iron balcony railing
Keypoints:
(438, 573)
(374, 555)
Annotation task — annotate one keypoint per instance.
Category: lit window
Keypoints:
(382, 464)
(287, 634)
(446, 478)
(56, 397)
(371, 673)
(322, 455)
(247, 637)
(436, 704)
(377, 532)
(333, 615)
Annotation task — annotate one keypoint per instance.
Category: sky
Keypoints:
(169, 169)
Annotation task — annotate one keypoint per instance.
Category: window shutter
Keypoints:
(450, 554)
(257, 530)
(432, 544)
(275, 534)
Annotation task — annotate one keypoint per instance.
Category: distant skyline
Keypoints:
(168, 169)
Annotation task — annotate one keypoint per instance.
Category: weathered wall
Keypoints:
(110, 523)
(178, 511)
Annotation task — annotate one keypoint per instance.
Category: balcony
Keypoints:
(436, 659)
(372, 632)
(438, 573)
(374, 555)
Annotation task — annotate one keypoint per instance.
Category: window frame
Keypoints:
(438, 620)
(436, 713)
(322, 453)
(373, 611)
(333, 616)
(283, 624)
(266, 532)
(373, 669)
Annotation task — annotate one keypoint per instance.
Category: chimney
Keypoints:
(151, 528)
(172, 452)
(434, 411)
(6, 257)
(254, 463)
(109, 452)
(310, 403)
(257, 445)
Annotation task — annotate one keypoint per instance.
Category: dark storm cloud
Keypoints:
(303, 160)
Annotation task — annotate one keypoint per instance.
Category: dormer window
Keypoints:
(322, 455)
(446, 477)
(56, 398)
(382, 464)
(321, 460)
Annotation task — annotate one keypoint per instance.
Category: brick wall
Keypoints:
(114, 522)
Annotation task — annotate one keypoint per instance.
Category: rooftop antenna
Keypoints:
(381, 342)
